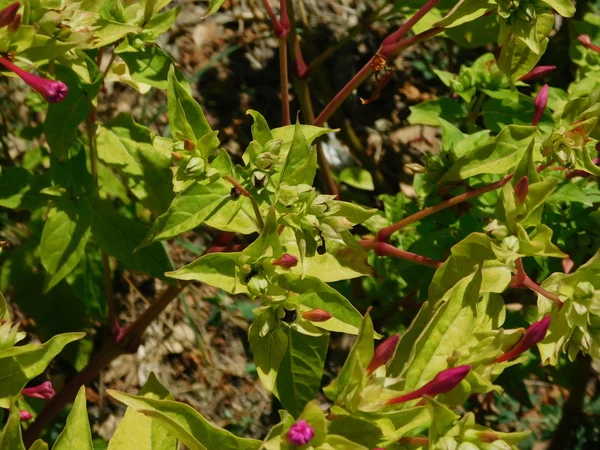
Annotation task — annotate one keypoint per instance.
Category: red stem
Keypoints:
(385, 249)
(407, 26)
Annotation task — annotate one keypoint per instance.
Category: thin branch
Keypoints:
(283, 72)
(385, 249)
(395, 37)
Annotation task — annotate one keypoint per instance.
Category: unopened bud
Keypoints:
(415, 168)
(195, 164)
(522, 189)
(443, 382)
(44, 391)
(540, 102)
(300, 433)
(488, 437)
(15, 24)
(301, 67)
(177, 156)
(286, 261)
(568, 264)
(383, 353)
(264, 161)
(25, 415)
(52, 91)
(587, 42)
(534, 335)
(316, 315)
(188, 144)
(537, 73)
(8, 14)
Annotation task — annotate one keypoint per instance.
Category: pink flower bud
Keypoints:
(300, 433)
(8, 14)
(540, 102)
(568, 264)
(521, 189)
(52, 91)
(316, 315)
(534, 335)
(587, 42)
(44, 391)
(443, 382)
(537, 73)
(383, 353)
(286, 260)
(25, 415)
(301, 67)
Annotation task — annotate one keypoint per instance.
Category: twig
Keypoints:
(283, 72)
(385, 249)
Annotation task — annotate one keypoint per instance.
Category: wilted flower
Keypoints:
(316, 315)
(537, 73)
(286, 261)
(383, 353)
(300, 433)
(44, 391)
(8, 14)
(587, 42)
(534, 334)
(443, 382)
(522, 189)
(52, 91)
(25, 415)
(540, 102)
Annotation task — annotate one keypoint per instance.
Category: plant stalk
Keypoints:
(385, 249)
(283, 71)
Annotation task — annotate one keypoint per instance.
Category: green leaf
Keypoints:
(314, 293)
(159, 24)
(65, 235)
(511, 107)
(147, 63)
(11, 434)
(213, 7)
(268, 347)
(186, 117)
(333, 442)
(38, 445)
(139, 431)
(260, 128)
(215, 269)
(357, 177)
(497, 156)
(569, 193)
(183, 422)
(15, 182)
(429, 112)
(134, 152)
(63, 118)
(300, 163)
(18, 365)
(77, 433)
(188, 210)
(360, 353)
(300, 370)
(538, 243)
(563, 7)
(465, 11)
(119, 236)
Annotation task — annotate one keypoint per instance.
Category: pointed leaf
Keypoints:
(77, 433)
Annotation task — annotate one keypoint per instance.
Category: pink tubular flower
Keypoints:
(534, 334)
(537, 73)
(316, 315)
(540, 102)
(587, 42)
(286, 260)
(52, 91)
(522, 189)
(383, 353)
(300, 433)
(25, 415)
(443, 382)
(44, 391)
(8, 14)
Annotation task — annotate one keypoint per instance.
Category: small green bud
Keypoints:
(195, 165)
(265, 161)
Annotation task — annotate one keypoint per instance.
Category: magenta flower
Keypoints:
(286, 260)
(8, 14)
(443, 382)
(300, 433)
(25, 415)
(52, 91)
(540, 102)
(534, 334)
(537, 73)
(44, 391)
(522, 189)
(587, 42)
(316, 315)
(383, 353)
